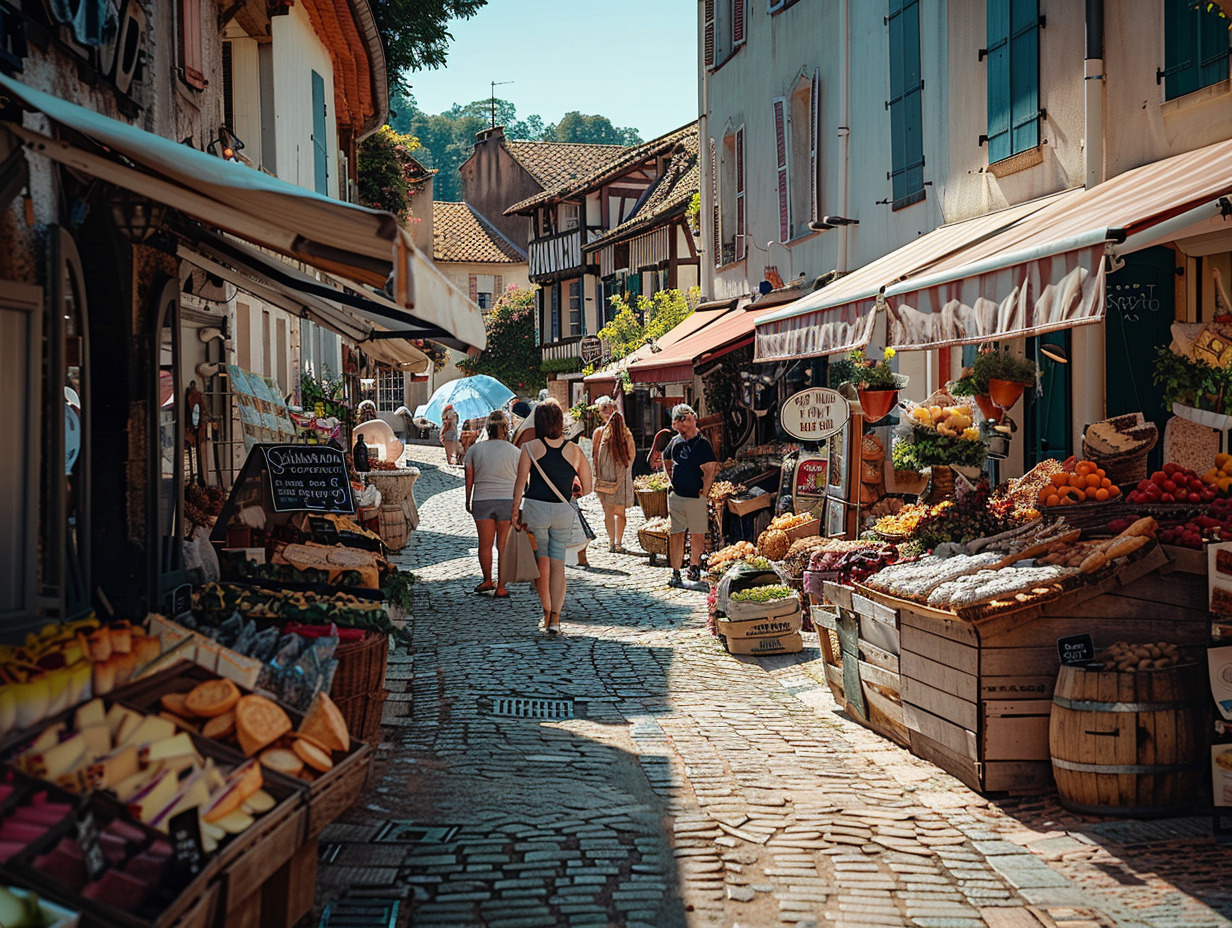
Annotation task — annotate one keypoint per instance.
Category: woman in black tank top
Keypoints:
(546, 472)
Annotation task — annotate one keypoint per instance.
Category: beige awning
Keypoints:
(352, 242)
(839, 316)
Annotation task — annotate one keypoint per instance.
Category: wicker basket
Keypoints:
(361, 667)
(362, 713)
(1123, 468)
(653, 503)
(652, 543)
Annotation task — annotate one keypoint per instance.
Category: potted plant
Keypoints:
(1002, 375)
(875, 382)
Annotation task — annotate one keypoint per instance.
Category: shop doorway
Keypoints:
(1140, 310)
(1048, 423)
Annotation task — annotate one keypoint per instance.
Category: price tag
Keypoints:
(91, 850)
(185, 832)
(1076, 650)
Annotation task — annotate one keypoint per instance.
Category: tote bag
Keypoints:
(518, 561)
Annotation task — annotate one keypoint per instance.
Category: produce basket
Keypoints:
(653, 502)
(361, 666)
(1120, 446)
(652, 543)
(803, 530)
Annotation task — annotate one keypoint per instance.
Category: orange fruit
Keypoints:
(1105, 482)
(1060, 480)
(1099, 472)
(1114, 491)
(1101, 494)
(1083, 468)
(1093, 480)
(1052, 500)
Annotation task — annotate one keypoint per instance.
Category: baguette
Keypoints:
(1093, 562)
(1123, 545)
(1144, 527)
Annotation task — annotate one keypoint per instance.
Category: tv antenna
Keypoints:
(492, 98)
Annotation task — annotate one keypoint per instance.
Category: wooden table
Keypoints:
(975, 697)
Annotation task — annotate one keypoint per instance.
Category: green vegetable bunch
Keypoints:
(1191, 382)
(397, 588)
(763, 594)
(927, 447)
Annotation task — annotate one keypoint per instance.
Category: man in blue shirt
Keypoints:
(691, 464)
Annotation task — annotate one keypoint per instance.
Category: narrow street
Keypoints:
(633, 773)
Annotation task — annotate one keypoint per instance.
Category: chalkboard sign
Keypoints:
(310, 478)
(91, 850)
(1076, 651)
(185, 832)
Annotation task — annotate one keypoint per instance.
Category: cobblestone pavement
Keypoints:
(668, 783)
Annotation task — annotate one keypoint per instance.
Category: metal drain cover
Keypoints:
(525, 707)
(328, 853)
(361, 912)
(404, 831)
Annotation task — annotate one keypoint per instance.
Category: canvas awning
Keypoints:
(676, 364)
(351, 242)
(702, 316)
(1047, 271)
(841, 315)
(363, 321)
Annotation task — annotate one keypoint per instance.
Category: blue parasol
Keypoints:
(471, 398)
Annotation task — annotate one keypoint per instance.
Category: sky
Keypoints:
(634, 62)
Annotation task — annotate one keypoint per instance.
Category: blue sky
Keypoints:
(634, 62)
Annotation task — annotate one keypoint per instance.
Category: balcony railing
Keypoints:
(560, 252)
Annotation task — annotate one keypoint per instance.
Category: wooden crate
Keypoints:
(255, 856)
(291, 893)
(742, 507)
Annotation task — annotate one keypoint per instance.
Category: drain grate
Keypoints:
(361, 913)
(404, 831)
(328, 853)
(522, 707)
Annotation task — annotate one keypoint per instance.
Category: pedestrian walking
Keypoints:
(491, 473)
(691, 465)
(449, 434)
(547, 469)
(612, 450)
(525, 432)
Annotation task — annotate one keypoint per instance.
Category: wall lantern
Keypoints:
(136, 216)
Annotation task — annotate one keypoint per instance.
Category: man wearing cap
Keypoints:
(691, 465)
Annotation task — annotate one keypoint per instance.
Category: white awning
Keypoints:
(352, 242)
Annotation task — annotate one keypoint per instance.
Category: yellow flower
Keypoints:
(889, 353)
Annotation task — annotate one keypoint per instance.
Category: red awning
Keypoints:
(675, 364)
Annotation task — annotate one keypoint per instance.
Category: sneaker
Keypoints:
(695, 573)
(675, 580)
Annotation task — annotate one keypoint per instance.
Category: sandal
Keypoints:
(487, 586)
(500, 594)
(554, 629)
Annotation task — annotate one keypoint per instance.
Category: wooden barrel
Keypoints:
(393, 525)
(1127, 743)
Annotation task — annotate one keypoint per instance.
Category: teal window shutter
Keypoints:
(1012, 73)
(320, 138)
(1195, 49)
(905, 106)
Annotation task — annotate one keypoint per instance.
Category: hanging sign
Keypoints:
(814, 414)
(309, 478)
(590, 348)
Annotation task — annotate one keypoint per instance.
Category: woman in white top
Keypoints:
(491, 471)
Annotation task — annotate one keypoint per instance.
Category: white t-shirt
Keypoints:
(496, 468)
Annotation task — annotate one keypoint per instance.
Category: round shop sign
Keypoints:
(590, 348)
(814, 414)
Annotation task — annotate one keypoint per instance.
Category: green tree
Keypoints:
(597, 130)
(511, 355)
(650, 319)
(416, 32)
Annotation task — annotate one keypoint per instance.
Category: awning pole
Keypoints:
(1172, 228)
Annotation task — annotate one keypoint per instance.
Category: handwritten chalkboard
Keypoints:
(185, 832)
(310, 478)
(91, 850)
(1076, 650)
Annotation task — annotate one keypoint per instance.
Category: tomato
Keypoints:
(1158, 478)
(1171, 468)
(1181, 494)
(1143, 484)
(1167, 498)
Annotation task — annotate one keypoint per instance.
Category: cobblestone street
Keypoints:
(662, 782)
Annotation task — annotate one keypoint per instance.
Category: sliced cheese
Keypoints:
(58, 760)
(92, 713)
(98, 739)
(260, 801)
(124, 725)
(155, 797)
(235, 823)
(150, 729)
(167, 748)
(129, 787)
(116, 767)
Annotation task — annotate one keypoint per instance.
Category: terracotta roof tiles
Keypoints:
(459, 233)
(555, 163)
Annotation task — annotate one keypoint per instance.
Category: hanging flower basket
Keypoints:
(877, 403)
(988, 407)
(1005, 393)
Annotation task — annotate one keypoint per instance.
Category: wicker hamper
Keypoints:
(359, 683)
(653, 503)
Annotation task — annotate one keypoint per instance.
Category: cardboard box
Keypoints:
(741, 611)
(761, 628)
(783, 644)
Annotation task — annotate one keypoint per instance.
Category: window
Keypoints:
(1195, 48)
(780, 154)
(804, 154)
(568, 216)
(320, 140)
(192, 58)
(906, 119)
(484, 289)
(390, 390)
(577, 325)
(555, 290)
(1013, 77)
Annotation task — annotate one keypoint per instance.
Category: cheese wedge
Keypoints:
(92, 713)
(151, 728)
(58, 760)
(98, 738)
(124, 725)
(49, 737)
(235, 823)
(108, 771)
(115, 717)
(243, 782)
(154, 797)
(193, 794)
(167, 748)
(129, 787)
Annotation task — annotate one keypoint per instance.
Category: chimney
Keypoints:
(496, 133)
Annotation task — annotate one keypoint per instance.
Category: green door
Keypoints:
(1047, 416)
(1140, 311)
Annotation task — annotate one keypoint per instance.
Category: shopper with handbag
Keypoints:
(491, 472)
(613, 448)
(546, 471)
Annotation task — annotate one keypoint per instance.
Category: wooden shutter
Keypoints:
(1024, 75)
(498, 287)
(741, 231)
(320, 138)
(906, 118)
(780, 152)
(192, 58)
(472, 283)
(737, 22)
(997, 70)
(1195, 48)
(716, 239)
(814, 142)
(708, 33)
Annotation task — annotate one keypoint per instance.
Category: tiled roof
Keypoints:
(610, 169)
(670, 195)
(556, 163)
(461, 234)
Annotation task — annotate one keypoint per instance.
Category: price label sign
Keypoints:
(185, 832)
(91, 850)
(814, 414)
(1076, 650)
